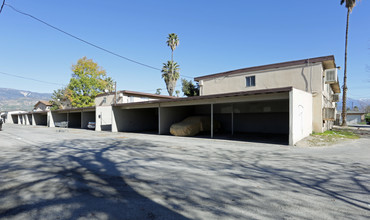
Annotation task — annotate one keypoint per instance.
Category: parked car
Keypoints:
(91, 125)
(61, 124)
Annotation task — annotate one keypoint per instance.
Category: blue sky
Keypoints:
(215, 36)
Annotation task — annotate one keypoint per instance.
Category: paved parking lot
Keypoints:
(52, 173)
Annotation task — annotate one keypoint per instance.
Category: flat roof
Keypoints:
(92, 108)
(142, 94)
(31, 112)
(215, 96)
(328, 62)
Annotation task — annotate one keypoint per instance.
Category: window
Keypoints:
(250, 81)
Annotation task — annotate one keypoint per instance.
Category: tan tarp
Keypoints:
(191, 126)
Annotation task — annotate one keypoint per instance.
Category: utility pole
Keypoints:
(115, 92)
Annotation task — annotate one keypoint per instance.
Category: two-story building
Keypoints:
(308, 75)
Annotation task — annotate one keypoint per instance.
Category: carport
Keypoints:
(282, 115)
(29, 118)
(76, 117)
(40, 118)
(135, 117)
(14, 118)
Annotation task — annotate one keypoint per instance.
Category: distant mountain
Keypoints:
(13, 99)
(351, 103)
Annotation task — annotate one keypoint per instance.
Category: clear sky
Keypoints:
(215, 36)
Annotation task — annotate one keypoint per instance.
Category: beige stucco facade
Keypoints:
(108, 100)
(40, 106)
(309, 77)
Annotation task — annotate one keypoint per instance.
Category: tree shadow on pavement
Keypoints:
(138, 179)
(72, 180)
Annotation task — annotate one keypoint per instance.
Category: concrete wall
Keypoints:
(57, 117)
(353, 119)
(87, 117)
(262, 117)
(108, 100)
(171, 115)
(40, 119)
(13, 119)
(74, 120)
(134, 120)
(304, 77)
(301, 124)
(103, 118)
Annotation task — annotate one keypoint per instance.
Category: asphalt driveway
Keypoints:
(51, 173)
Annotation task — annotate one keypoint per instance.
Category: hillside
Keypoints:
(13, 99)
(360, 103)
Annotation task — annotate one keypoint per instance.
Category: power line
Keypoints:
(36, 80)
(84, 41)
(2, 6)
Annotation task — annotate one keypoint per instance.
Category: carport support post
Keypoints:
(211, 120)
(33, 120)
(27, 120)
(82, 118)
(51, 119)
(232, 119)
(159, 118)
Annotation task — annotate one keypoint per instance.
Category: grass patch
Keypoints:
(338, 134)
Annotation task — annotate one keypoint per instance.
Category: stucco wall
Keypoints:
(103, 117)
(40, 119)
(300, 106)
(131, 120)
(171, 115)
(353, 119)
(308, 78)
(74, 120)
(57, 117)
(304, 77)
(109, 99)
(87, 117)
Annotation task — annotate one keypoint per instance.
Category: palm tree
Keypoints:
(350, 4)
(170, 74)
(172, 41)
(109, 84)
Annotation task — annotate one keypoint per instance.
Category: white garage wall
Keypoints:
(103, 117)
(300, 106)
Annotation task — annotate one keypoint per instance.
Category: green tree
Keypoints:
(177, 93)
(170, 74)
(189, 89)
(88, 80)
(350, 4)
(58, 95)
(172, 41)
(158, 92)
